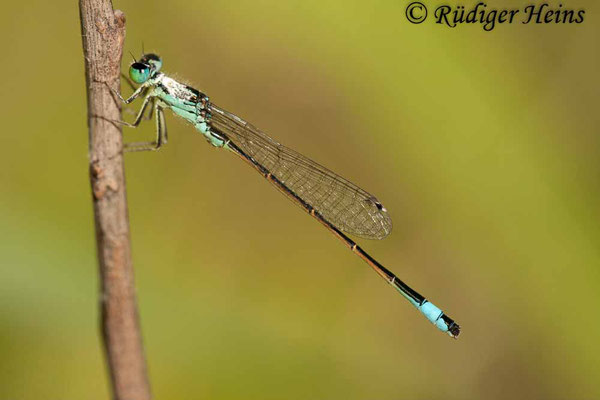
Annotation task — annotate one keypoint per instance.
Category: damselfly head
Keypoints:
(153, 60)
(140, 71)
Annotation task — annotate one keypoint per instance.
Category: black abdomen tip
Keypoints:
(454, 330)
(453, 327)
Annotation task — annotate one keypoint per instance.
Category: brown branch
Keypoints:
(103, 33)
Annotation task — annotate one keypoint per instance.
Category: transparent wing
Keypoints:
(342, 203)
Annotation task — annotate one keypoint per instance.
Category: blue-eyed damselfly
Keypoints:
(336, 203)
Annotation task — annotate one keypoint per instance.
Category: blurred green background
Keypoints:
(483, 145)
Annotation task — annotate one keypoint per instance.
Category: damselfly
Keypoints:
(338, 204)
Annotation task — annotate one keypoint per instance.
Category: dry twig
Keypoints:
(103, 33)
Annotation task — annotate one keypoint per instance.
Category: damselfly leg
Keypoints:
(161, 127)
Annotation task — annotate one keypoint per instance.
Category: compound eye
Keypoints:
(139, 73)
